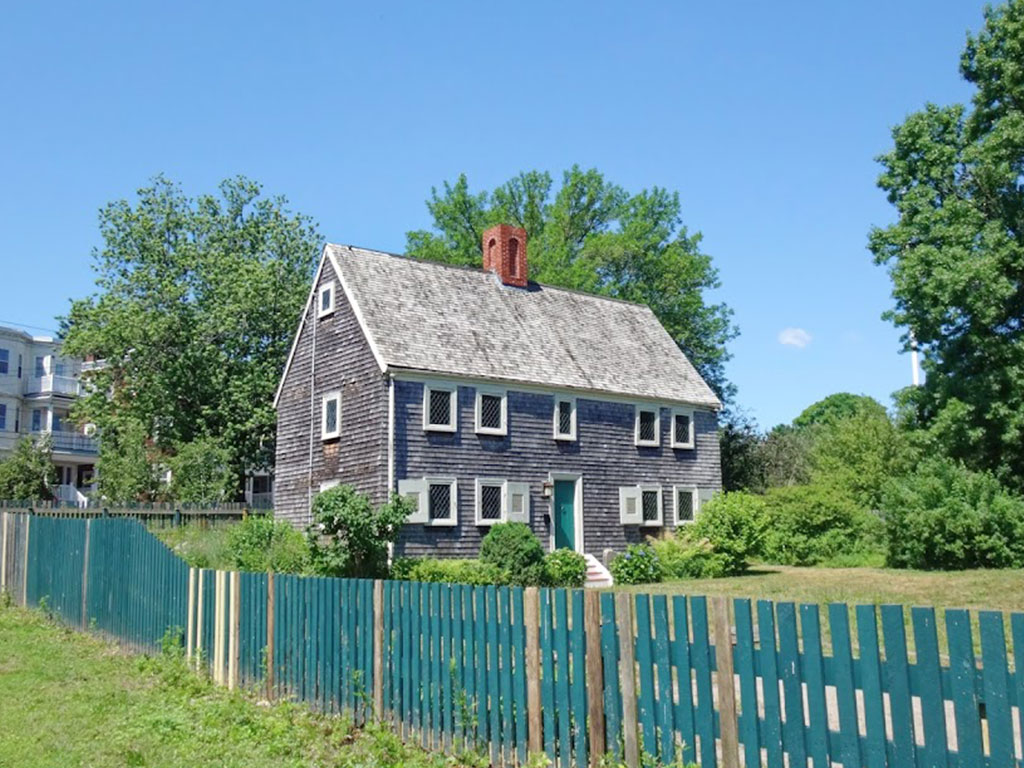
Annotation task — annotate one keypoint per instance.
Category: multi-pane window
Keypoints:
(5, 360)
(439, 409)
(439, 501)
(326, 300)
(685, 507)
(565, 418)
(490, 502)
(3, 416)
(330, 426)
(682, 428)
(651, 505)
(646, 426)
(491, 412)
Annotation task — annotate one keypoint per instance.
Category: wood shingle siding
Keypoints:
(344, 362)
(604, 454)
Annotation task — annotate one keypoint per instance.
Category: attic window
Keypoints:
(325, 303)
(330, 423)
(491, 412)
(439, 408)
(682, 428)
(565, 418)
(648, 425)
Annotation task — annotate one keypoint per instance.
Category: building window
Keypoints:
(40, 367)
(491, 412)
(648, 425)
(686, 504)
(3, 416)
(325, 303)
(650, 505)
(5, 361)
(682, 428)
(439, 408)
(490, 501)
(19, 366)
(517, 497)
(565, 418)
(37, 420)
(330, 424)
(441, 501)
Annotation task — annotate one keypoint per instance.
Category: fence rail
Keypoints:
(572, 674)
(153, 515)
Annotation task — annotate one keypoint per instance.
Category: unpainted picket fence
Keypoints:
(569, 673)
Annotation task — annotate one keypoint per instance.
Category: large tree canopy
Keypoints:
(956, 253)
(196, 306)
(591, 235)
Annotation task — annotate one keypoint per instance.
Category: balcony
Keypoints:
(54, 385)
(70, 442)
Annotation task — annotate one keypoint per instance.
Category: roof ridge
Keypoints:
(482, 271)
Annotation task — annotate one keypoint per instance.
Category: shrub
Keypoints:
(565, 568)
(260, 544)
(944, 516)
(806, 524)
(201, 472)
(516, 552)
(732, 525)
(349, 537)
(446, 570)
(28, 473)
(683, 557)
(639, 564)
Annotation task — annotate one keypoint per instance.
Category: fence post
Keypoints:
(726, 683)
(24, 571)
(270, 636)
(199, 617)
(190, 621)
(234, 627)
(3, 555)
(595, 676)
(85, 577)
(531, 614)
(378, 649)
(627, 677)
(177, 518)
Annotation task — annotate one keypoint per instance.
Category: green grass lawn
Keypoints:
(69, 699)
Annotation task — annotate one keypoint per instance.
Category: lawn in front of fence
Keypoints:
(70, 699)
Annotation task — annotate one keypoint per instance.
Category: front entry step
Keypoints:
(598, 576)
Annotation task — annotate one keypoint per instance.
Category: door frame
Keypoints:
(577, 507)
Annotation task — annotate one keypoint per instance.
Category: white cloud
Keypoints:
(794, 337)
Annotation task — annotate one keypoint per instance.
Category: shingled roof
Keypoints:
(459, 321)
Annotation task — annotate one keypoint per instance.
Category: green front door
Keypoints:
(565, 514)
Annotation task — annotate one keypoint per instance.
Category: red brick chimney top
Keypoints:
(504, 249)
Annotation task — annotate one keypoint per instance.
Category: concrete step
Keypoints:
(598, 576)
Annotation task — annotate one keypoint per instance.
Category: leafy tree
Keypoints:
(956, 253)
(591, 235)
(196, 304)
(129, 466)
(349, 537)
(837, 407)
(201, 472)
(739, 442)
(784, 457)
(28, 473)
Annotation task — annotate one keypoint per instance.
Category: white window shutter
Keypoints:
(630, 508)
(704, 496)
(517, 503)
(413, 490)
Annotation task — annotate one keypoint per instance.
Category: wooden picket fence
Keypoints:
(152, 514)
(572, 674)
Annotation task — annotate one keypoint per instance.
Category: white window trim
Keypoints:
(657, 426)
(688, 412)
(695, 504)
(571, 436)
(660, 522)
(331, 287)
(503, 394)
(453, 392)
(491, 482)
(326, 485)
(453, 520)
(517, 488)
(324, 433)
(412, 488)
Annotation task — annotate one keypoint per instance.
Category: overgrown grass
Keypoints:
(68, 699)
(199, 547)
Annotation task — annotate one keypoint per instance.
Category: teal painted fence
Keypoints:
(571, 674)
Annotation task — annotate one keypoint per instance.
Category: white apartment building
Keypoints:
(37, 387)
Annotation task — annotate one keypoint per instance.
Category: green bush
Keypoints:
(639, 564)
(201, 472)
(732, 526)
(516, 552)
(260, 544)
(944, 516)
(565, 568)
(806, 524)
(683, 557)
(446, 570)
(348, 537)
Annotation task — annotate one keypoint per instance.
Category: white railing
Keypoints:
(58, 385)
(93, 365)
(70, 442)
(68, 494)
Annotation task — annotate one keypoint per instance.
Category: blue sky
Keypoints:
(765, 117)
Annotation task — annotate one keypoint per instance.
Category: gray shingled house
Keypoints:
(483, 397)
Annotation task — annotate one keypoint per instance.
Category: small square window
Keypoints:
(565, 418)
(439, 499)
(439, 409)
(325, 304)
(330, 425)
(647, 426)
(682, 428)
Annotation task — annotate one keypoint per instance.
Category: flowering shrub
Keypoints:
(639, 564)
(565, 568)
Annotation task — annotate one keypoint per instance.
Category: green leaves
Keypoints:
(196, 304)
(591, 235)
(28, 473)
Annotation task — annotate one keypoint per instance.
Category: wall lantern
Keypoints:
(546, 489)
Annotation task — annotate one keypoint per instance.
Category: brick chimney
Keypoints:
(505, 253)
